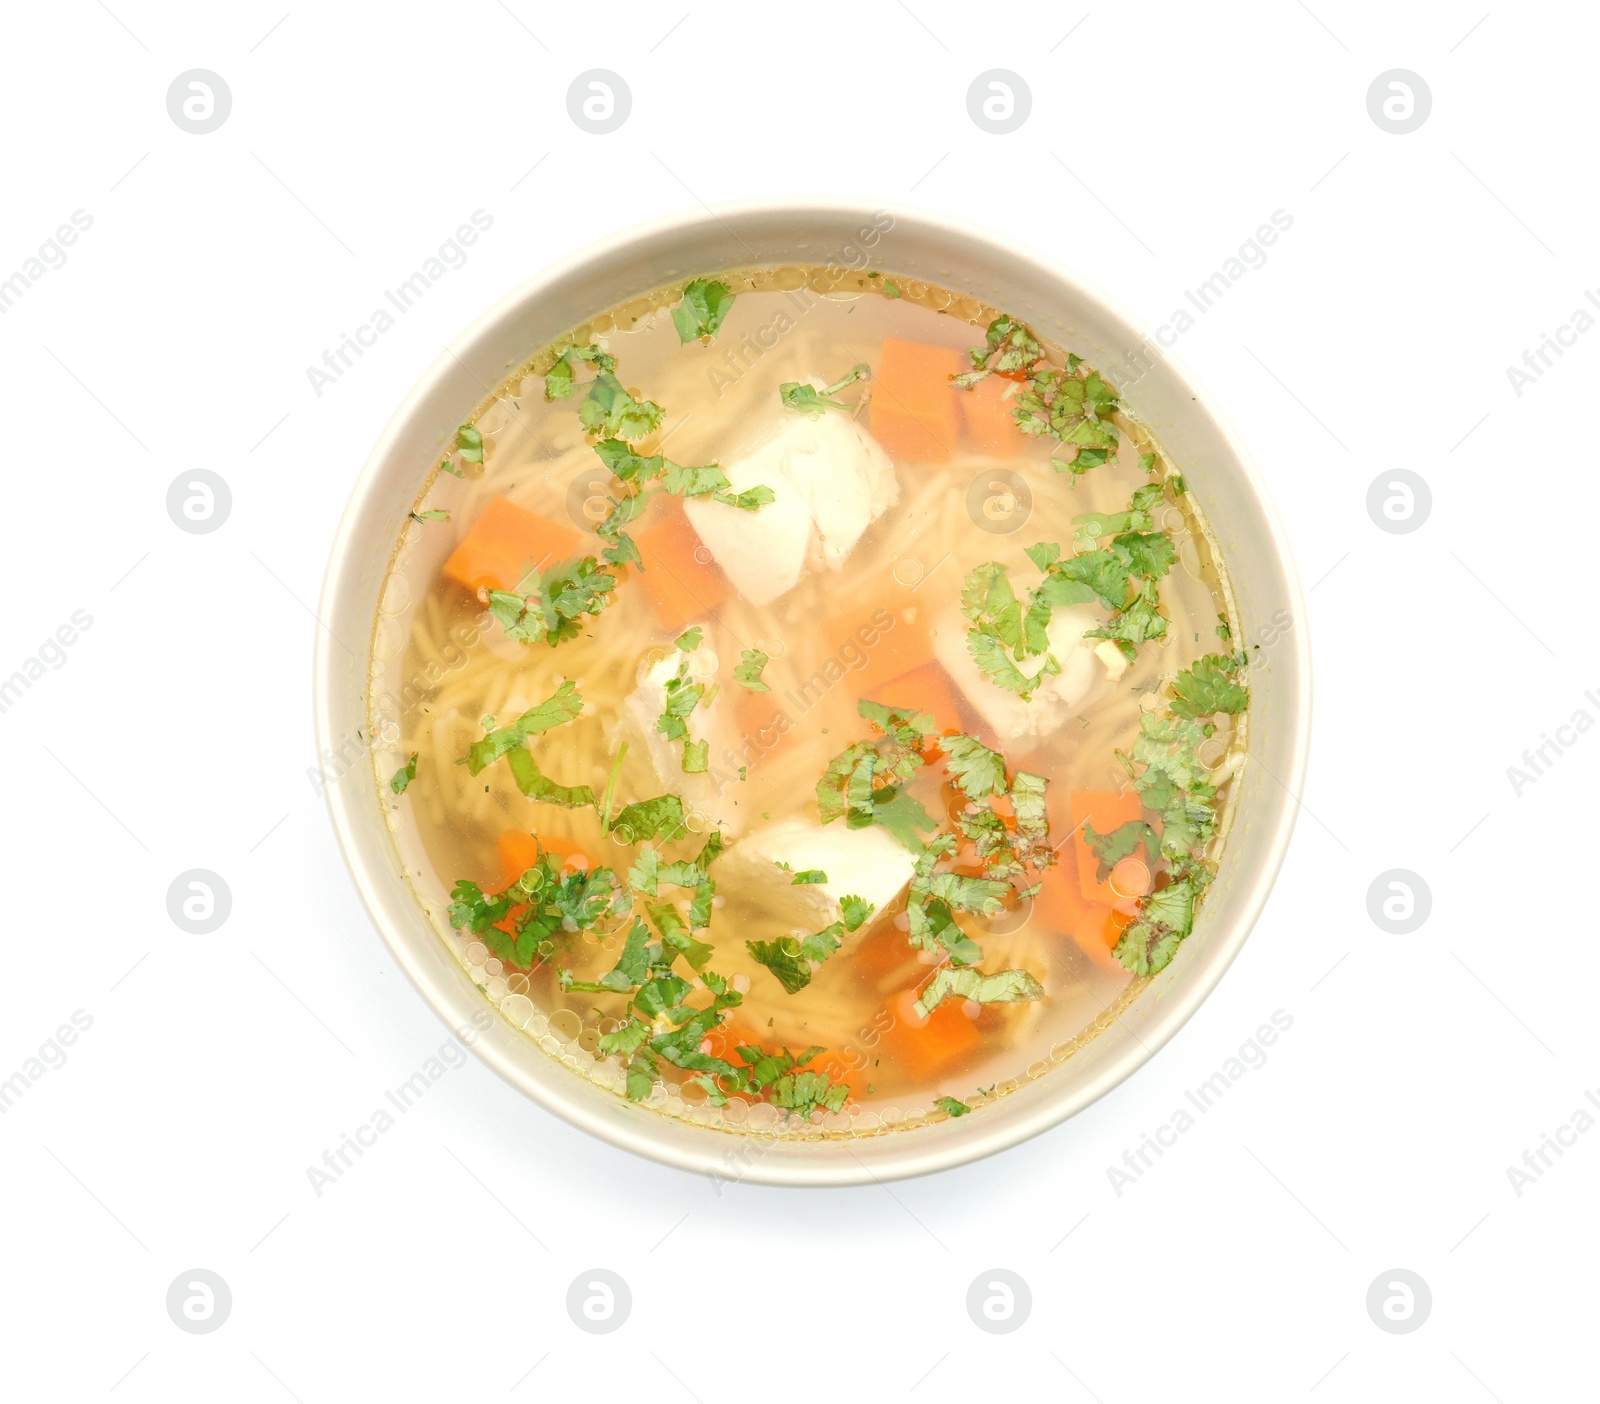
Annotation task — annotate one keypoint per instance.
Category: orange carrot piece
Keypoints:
(924, 1046)
(1104, 810)
(925, 689)
(519, 851)
(679, 586)
(763, 726)
(914, 414)
(1061, 908)
(986, 408)
(504, 544)
(877, 644)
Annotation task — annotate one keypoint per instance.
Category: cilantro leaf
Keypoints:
(748, 500)
(535, 786)
(705, 303)
(469, 443)
(811, 877)
(807, 399)
(404, 776)
(658, 818)
(558, 380)
(976, 769)
(549, 603)
(1006, 987)
(560, 707)
(856, 910)
(689, 639)
(952, 1107)
(747, 673)
(610, 410)
(1210, 686)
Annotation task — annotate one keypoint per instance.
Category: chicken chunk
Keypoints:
(830, 482)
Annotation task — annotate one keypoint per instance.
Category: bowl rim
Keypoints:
(583, 1107)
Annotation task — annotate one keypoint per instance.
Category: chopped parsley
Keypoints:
(548, 604)
(681, 698)
(1209, 687)
(811, 877)
(790, 958)
(1005, 987)
(558, 380)
(689, 639)
(1062, 404)
(1174, 785)
(889, 289)
(404, 776)
(798, 395)
(747, 673)
(866, 782)
(561, 706)
(610, 411)
(856, 910)
(521, 924)
(658, 818)
(748, 500)
(952, 1107)
(469, 443)
(705, 303)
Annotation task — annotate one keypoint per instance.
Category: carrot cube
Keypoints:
(881, 643)
(914, 413)
(1103, 810)
(1062, 909)
(679, 585)
(923, 1046)
(925, 689)
(986, 407)
(504, 544)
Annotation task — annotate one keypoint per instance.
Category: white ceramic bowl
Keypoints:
(915, 244)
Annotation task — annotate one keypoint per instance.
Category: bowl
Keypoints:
(912, 244)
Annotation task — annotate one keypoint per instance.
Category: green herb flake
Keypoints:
(747, 673)
(404, 776)
(807, 399)
(705, 303)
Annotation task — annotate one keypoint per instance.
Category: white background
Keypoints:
(176, 734)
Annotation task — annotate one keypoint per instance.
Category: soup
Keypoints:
(808, 703)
